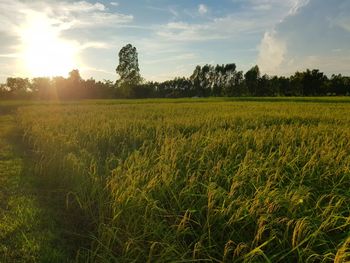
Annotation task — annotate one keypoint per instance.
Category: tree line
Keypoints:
(205, 81)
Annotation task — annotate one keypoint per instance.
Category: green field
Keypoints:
(193, 180)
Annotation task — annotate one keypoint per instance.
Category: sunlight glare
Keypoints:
(44, 53)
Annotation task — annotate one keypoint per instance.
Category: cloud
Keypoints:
(81, 6)
(314, 36)
(83, 14)
(255, 17)
(222, 28)
(65, 15)
(114, 3)
(262, 7)
(178, 57)
(95, 45)
(202, 9)
(76, 22)
(184, 32)
(271, 52)
(284, 7)
(297, 5)
(93, 69)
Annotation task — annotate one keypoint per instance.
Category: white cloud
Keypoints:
(114, 3)
(262, 7)
(177, 57)
(228, 27)
(256, 17)
(297, 5)
(93, 69)
(281, 6)
(85, 14)
(96, 45)
(65, 15)
(82, 6)
(271, 53)
(181, 31)
(309, 37)
(101, 19)
(202, 9)
(62, 16)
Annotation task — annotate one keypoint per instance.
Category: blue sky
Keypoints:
(172, 37)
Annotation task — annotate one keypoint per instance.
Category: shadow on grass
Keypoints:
(38, 226)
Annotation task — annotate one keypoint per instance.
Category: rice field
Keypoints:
(213, 181)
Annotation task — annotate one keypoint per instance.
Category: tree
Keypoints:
(42, 88)
(338, 85)
(74, 76)
(231, 80)
(196, 81)
(176, 88)
(264, 86)
(283, 86)
(252, 80)
(4, 91)
(296, 83)
(18, 87)
(17, 84)
(128, 68)
(314, 83)
(309, 83)
(72, 87)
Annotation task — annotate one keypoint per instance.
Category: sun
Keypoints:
(44, 53)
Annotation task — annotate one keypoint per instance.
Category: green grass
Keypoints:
(188, 180)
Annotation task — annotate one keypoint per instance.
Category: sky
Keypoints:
(40, 38)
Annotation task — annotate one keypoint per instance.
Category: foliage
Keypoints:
(221, 80)
(252, 77)
(229, 181)
(128, 67)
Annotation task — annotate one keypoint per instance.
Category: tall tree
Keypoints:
(128, 68)
(196, 81)
(231, 80)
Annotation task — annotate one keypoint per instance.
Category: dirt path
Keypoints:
(29, 230)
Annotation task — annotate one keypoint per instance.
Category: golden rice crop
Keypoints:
(218, 181)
